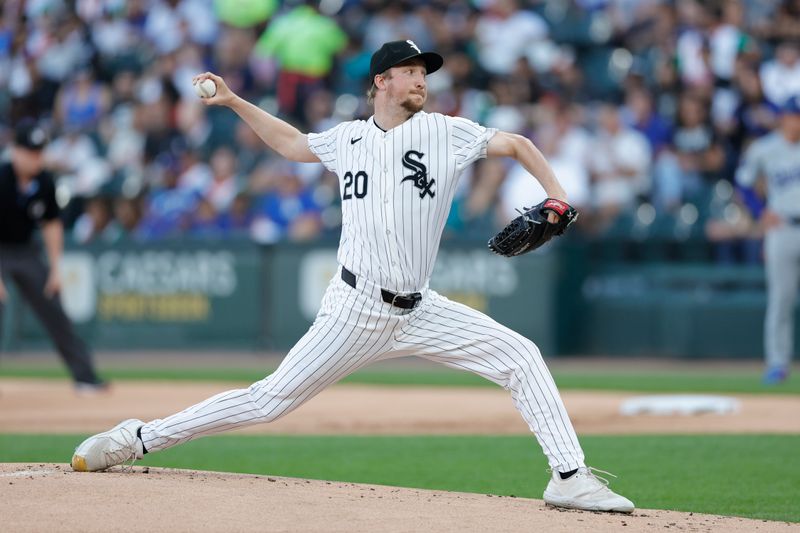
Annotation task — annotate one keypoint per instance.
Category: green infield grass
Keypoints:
(701, 380)
(753, 476)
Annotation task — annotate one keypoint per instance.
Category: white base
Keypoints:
(679, 404)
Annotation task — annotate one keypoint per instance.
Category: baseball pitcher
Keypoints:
(397, 172)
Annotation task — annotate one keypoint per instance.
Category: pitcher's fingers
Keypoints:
(213, 77)
(205, 76)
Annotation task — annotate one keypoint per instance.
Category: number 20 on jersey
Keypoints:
(355, 185)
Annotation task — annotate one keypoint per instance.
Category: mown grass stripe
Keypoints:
(705, 381)
(753, 476)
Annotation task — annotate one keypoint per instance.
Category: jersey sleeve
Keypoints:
(468, 140)
(751, 166)
(323, 145)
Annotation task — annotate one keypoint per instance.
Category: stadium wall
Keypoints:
(239, 295)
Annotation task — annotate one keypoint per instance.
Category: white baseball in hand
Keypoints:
(206, 88)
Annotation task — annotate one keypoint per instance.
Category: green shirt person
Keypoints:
(244, 13)
(304, 43)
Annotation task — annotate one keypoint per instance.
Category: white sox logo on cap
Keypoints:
(413, 45)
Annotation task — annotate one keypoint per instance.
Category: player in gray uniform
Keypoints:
(772, 165)
(398, 172)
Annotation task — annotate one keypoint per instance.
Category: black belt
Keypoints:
(403, 301)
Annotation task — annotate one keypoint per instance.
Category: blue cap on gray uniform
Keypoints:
(791, 106)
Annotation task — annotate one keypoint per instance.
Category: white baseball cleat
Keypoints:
(116, 446)
(584, 490)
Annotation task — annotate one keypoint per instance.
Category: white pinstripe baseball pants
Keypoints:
(355, 327)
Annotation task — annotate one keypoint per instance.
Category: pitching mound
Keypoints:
(50, 497)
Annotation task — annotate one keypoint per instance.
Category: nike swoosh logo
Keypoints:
(353, 141)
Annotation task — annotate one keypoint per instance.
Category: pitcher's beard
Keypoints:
(412, 106)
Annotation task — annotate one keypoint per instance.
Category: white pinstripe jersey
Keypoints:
(396, 188)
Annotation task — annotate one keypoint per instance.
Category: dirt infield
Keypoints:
(155, 499)
(40, 405)
(180, 500)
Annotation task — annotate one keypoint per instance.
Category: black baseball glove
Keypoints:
(531, 229)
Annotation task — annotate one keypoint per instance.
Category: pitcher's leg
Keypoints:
(334, 347)
(460, 337)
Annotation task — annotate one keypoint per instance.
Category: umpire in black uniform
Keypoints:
(28, 202)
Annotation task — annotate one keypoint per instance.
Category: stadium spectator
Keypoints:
(250, 149)
(60, 46)
(171, 23)
(691, 47)
(224, 183)
(193, 126)
(780, 77)
(240, 67)
(620, 165)
(203, 221)
(81, 103)
(639, 112)
(567, 147)
(304, 42)
(112, 35)
(699, 80)
(784, 24)
(96, 223)
(727, 40)
(506, 33)
(696, 158)
(196, 175)
(285, 208)
(81, 167)
(127, 216)
(124, 143)
(396, 21)
(237, 221)
(168, 206)
(754, 115)
(732, 227)
(244, 13)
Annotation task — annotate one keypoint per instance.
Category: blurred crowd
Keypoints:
(643, 107)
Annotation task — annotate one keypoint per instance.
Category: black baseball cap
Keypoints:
(29, 134)
(395, 52)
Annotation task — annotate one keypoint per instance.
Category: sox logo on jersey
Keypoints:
(420, 173)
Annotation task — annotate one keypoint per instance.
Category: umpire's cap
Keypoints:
(791, 106)
(29, 134)
(395, 52)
